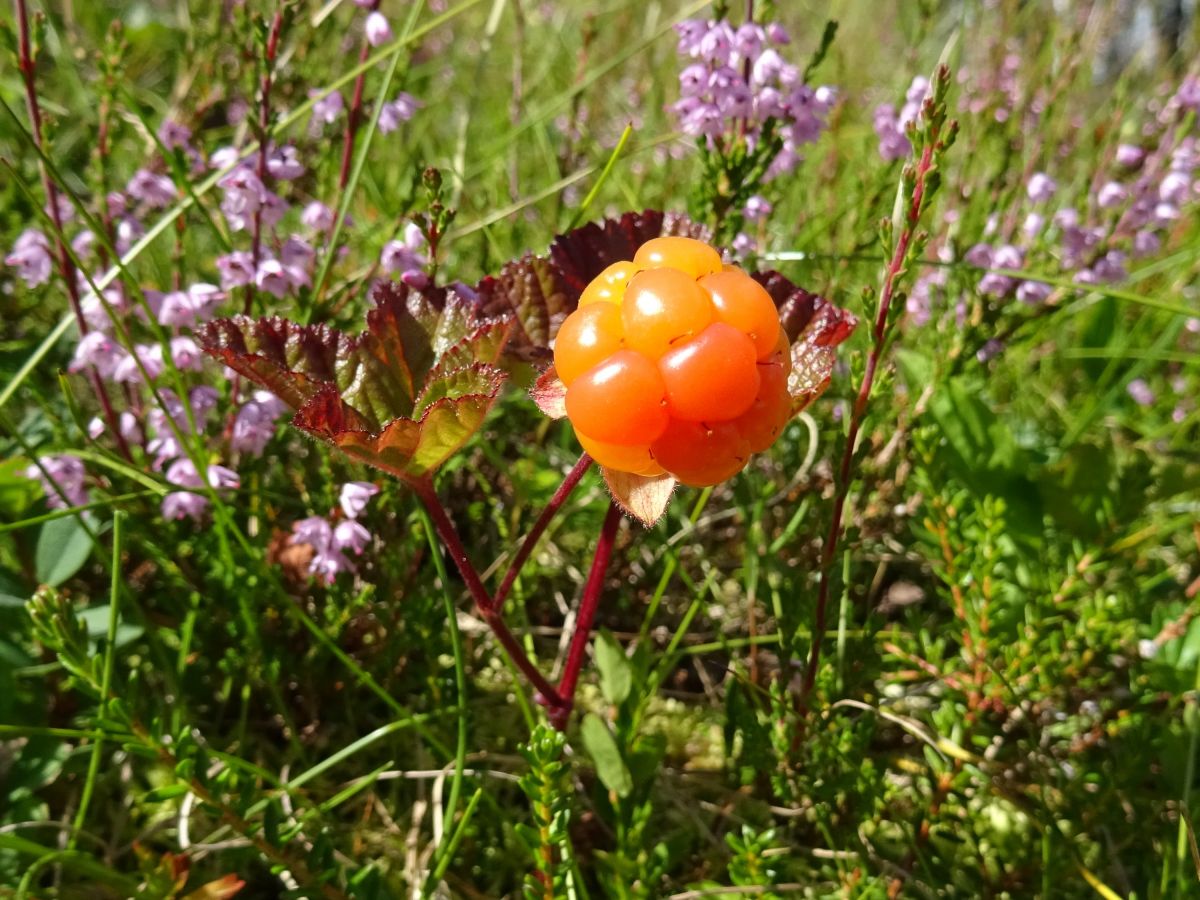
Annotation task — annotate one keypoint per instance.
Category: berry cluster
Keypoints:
(675, 363)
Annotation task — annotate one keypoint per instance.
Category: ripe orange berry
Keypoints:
(688, 255)
(661, 308)
(620, 401)
(764, 421)
(745, 304)
(783, 353)
(586, 338)
(701, 455)
(711, 378)
(634, 458)
(609, 285)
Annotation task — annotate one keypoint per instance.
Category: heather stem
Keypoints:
(483, 602)
(355, 113)
(25, 63)
(535, 533)
(264, 125)
(895, 270)
(587, 615)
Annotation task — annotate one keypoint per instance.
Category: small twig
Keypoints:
(895, 270)
(66, 269)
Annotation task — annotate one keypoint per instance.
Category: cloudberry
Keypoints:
(674, 363)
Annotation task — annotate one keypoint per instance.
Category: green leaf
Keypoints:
(606, 755)
(165, 793)
(62, 549)
(616, 674)
(402, 396)
(95, 620)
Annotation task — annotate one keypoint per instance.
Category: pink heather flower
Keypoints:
(152, 190)
(236, 269)
(254, 425)
(185, 353)
(1110, 268)
(716, 44)
(350, 535)
(129, 230)
(174, 134)
(183, 505)
(83, 242)
(297, 255)
(30, 256)
(271, 278)
(777, 34)
(1112, 195)
(893, 142)
(748, 40)
(1140, 392)
(757, 208)
(203, 398)
(354, 497)
(1174, 188)
(1146, 243)
(377, 28)
(1033, 292)
(150, 356)
(206, 298)
(96, 349)
(95, 427)
(1041, 187)
(990, 350)
(317, 216)
(93, 307)
(223, 478)
(283, 163)
(404, 255)
(62, 480)
(1130, 155)
(176, 309)
(329, 565)
(223, 158)
(743, 245)
(326, 110)
(690, 31)
(314, 531)
(979, 256)
(403, 108)
(1033, 224)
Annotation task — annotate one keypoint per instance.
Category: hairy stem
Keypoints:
(483, 601)
(535, 533)
(895, 269)
(25, 63)
(587, 615)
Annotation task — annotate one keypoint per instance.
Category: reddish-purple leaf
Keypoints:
(541, 291)
(401, 396)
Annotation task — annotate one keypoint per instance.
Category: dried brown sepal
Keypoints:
(550, 394)
(402, 396)
(541, 291)
(646, 499)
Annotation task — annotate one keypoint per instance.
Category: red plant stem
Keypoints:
(483, 602)
(66, 269)
(354, 116)
(531, 539)
(264, 124)
(587, 615)
(829, 549)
